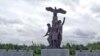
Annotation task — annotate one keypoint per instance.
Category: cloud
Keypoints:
(95, 8)
(7, 21)
(24, 21)
(85, 34)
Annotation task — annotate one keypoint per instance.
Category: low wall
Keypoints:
(16, 53)
(87, 53)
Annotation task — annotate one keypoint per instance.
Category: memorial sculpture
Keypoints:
(54, 32)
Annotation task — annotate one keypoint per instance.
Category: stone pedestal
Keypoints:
(54, 52)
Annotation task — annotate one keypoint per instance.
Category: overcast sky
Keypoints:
(24, 21)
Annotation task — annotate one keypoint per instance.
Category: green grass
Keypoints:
(37, 55)
(40, 55)
(72, 55)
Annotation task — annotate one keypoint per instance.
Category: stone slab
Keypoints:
(87, 53)
(54, 52)
(16, 53)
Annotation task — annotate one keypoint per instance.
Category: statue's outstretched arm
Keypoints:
(46, 33)
(63, 21)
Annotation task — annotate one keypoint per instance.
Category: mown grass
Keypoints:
(37, 54)
(72, 55)
(40, 55)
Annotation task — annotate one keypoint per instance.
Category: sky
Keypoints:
(24, 21)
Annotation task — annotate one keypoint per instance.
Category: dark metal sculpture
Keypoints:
(55, 11)
(54, 32)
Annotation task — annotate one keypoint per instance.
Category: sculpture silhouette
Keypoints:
(55, 11)
(49, 34)
(60, 28)
(54, 33)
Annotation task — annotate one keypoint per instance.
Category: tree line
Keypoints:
(37, 47)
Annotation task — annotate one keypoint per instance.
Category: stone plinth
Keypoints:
(54, 52)
(88, 53)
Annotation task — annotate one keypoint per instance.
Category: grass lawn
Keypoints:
(72, 55)
(40, 55)
(37, 55)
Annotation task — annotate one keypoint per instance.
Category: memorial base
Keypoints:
(54, 52)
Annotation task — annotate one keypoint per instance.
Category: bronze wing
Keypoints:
(49, 9)
(61, 11)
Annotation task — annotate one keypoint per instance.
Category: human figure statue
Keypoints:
(55, 32)
(49, 34)
(60, 29)
(55, 36)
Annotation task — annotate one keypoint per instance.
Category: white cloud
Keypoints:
(24, 21)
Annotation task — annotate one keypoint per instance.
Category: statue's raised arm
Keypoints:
(63, 21)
